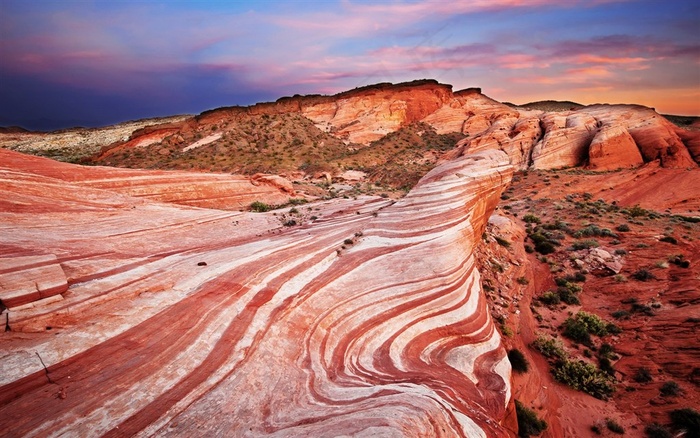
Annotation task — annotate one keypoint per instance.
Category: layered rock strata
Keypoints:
(366, 321)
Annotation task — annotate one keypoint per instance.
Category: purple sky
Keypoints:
(65, 63)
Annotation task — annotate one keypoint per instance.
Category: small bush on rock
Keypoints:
(584, 377)
(518, 361)
(528, 422)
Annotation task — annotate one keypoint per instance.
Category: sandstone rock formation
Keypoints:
(584, 135)
(613, 148)
(367, 321)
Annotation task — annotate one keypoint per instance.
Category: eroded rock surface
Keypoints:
(368, 320)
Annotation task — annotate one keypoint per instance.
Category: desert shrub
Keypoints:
(522, 280)
(643, 375)
(567, 296)
(635, 211)
(622, 228)
(550, 298)
(655, 430)
(669, 239)
(531, 219)
(550, 348)
(620, 278)
(593, 323)
(528, 422)
(503, 242)
(606, 366)
(621, 314)
(260, 207)
(596, 429)
(529, 249)
(584, 377)
(576, 331)
(545, 247)
(642, 308)
(572, 287)
(670, 389)
(687, 420)
(614, 426)
(613, 329)
(544, 244)
(297, 201)
(606, 350)
(585, 244)
(643, 275)
(594, 230)
(620, 251)
(578, 277)
(518, 361)
(557, 225)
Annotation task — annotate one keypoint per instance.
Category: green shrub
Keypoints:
(550, 298)
(622, 228)
(576, 331)
(545, 247)
(531, 219)
(585, 244)
(687, 420)
(260, 207)
(584, 377)
(593, 323)
(594, 230)
(522, 280)
(503, 242)
(550, 348)
(614, 426)
(518, 361)
(635, 211)
(567, 296)
(528, 422)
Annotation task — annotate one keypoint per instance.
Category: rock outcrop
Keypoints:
(368, 320)
(613, 148)
(197, 189)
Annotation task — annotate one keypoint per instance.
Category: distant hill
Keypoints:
(548, 105)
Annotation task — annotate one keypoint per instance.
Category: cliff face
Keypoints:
(367, 320)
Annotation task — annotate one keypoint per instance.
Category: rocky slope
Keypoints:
(352, 314)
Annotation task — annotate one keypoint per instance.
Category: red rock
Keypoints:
(30, 278)
(565, 142)
(613, 148)
(286, 330)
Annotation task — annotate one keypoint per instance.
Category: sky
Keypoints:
(67, 63)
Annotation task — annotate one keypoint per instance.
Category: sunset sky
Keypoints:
(66, 63)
